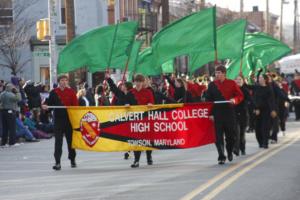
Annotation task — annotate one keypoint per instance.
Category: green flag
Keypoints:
(260, 50)
(99, 49)
(230, 40)
(147, 64)
(248, 66)
(134, 54)
(193, 33)
(168, 67)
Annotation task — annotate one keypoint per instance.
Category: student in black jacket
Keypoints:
(264, 110)
(123, 96)
(279, 95)
(181, 94)
(242, 117)
(122, 93)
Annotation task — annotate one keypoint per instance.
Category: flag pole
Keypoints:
(110, 56)
(215, 36)
(242, 52)
(128, 59)
(112, 46)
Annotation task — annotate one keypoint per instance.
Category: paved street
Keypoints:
(26, 173)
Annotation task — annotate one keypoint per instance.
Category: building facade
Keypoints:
(88, 15)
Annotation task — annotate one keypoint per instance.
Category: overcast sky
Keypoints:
(274, 6)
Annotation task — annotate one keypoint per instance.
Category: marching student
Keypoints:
(295, 90)
(181, 94)
(123, 96)
(241, 111)
(279, 95)
(143, 96)
(222, 89)
(264, 110)
(63, 95)
(283, 105)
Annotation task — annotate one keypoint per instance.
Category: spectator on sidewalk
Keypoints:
(9, 103)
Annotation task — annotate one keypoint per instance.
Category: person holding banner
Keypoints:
(143, 96)
(222, 89)
(62, 96)
(122, 96)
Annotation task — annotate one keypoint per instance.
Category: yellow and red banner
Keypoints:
(126, 128)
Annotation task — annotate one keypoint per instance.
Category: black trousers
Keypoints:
(63, 127)
(283, 114)
(137, 155)
(252, 118)
(297, 109)
(227, 127)
(240, 142)
(262, 128)
(274, 128)
(9, 127)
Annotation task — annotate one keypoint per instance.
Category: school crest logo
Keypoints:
(90, 128)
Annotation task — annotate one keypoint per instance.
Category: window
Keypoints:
(6, 12)
(62, 12)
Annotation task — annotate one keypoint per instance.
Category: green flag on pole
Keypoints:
(193, 33)
(260, 50)
(101, 48)
(147, 64)
(134, 54)
(168, 67)
(230, 40)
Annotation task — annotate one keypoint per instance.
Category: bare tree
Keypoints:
(15, 35)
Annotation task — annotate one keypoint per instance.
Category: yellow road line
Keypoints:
(233, 178)
(232, 168)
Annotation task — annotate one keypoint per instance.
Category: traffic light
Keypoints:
(42, 30)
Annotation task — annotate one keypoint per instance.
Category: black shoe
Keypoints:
(236, 152)
(221, 160)
(230, 157)
(73, 164)
(126, 156)
(150, 162)
(135, 165)
(57, 167)
(243, 153)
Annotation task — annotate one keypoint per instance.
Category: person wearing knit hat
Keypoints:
(9, 103)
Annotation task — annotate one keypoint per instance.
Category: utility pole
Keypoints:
(70, 25)
(165, 12)
(267, 23)
(241, 7)
(295, 25)
(281, 17)
(52, 42)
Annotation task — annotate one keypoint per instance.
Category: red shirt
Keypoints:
(297, 82)
(285, 86)
(67, 96)
(143, 97)
(196, 89)
(230, 90)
